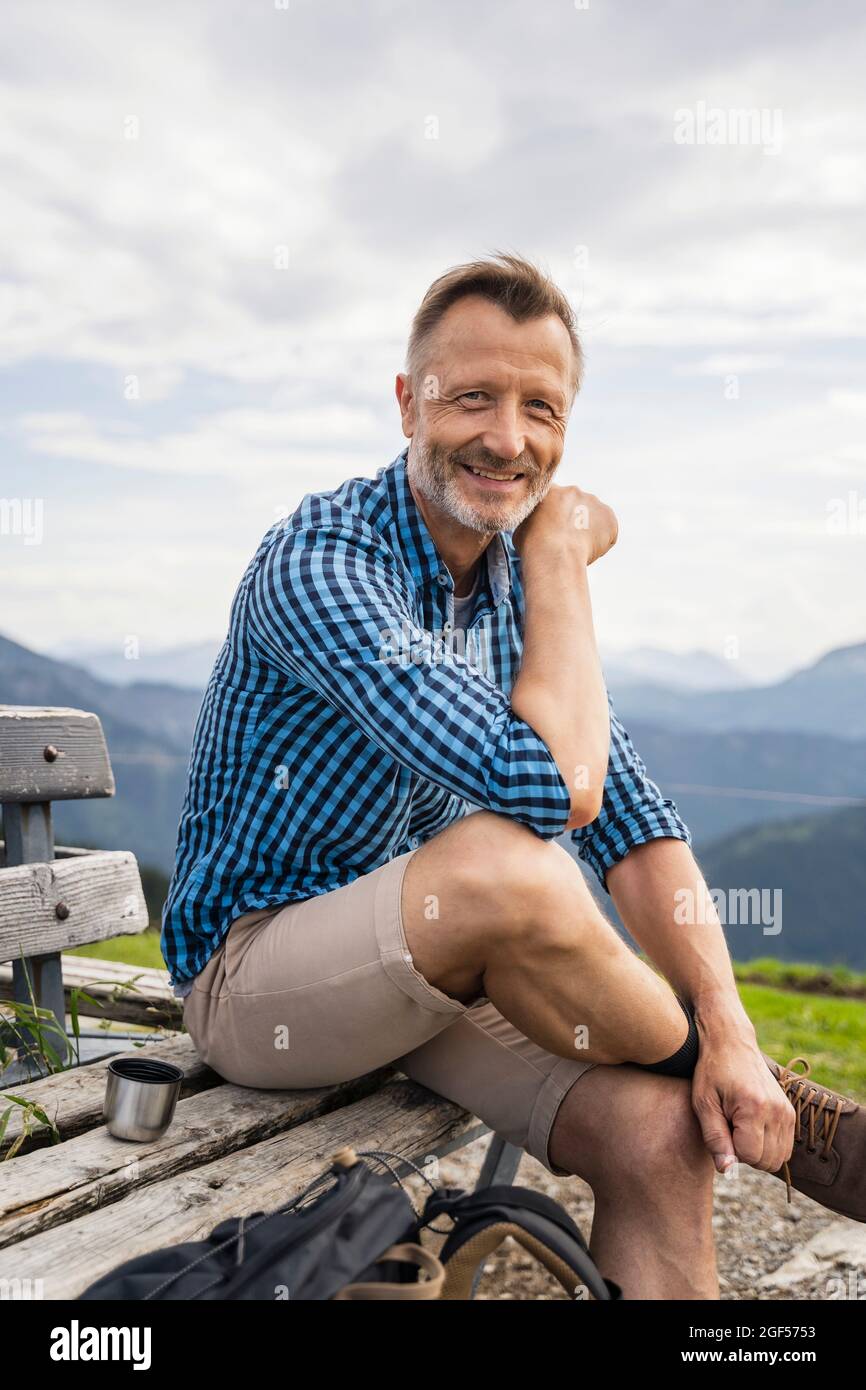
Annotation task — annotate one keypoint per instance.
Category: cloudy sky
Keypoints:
(220, 217)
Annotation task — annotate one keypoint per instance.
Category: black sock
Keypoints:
(684, 1060)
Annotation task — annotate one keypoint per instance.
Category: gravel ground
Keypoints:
(757, 1235)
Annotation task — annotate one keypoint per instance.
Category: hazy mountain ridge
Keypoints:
(185, 667)
(828, 697)
(719, 781)
(686, 690)
(189, 666)
(149, 755)
(694, 670)
(818, 865)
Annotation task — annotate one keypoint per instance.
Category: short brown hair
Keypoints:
(516, 285)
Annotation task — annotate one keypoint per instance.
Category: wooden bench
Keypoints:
(229, 1150)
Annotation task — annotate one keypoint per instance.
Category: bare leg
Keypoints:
(489, 907)
(634, 1137)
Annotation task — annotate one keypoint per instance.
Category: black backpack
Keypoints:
(359, 1238)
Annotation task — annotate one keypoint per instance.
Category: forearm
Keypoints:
(560, 690)
(664, 903)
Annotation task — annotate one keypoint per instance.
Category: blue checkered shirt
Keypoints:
(346, 721)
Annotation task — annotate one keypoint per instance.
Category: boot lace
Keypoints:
(811, 1105)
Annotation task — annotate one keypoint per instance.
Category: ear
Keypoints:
(407, 403)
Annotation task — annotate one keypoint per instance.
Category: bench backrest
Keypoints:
(51, 898)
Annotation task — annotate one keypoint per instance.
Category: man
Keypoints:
(334, 908)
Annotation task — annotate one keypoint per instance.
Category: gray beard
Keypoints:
(439, 486)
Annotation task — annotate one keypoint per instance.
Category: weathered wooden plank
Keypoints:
(69, 902)
(60, 852)
(403, 1118)
(73, 1099)
(49, 754)
(152, 978)
(51, 1186)
(152, 1002)
(29, 833)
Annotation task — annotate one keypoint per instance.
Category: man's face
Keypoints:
(487, 420)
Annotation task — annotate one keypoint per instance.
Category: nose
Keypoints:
(503, 434)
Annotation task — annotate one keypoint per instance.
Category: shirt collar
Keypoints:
(419, 548)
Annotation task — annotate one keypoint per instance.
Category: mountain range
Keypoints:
(187, 667)
(678, 690)
(762, 800)
(190, 665)
(794, 889)
(825, 698)
(817, 866)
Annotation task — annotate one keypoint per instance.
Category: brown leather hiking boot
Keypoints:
(828, 1161)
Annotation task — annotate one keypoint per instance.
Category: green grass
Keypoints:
(142, 949)
(823, 979)
(830, 1033)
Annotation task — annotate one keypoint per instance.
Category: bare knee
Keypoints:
(668, 1141)
(645, 1143)
(489, 888)
(511, 877)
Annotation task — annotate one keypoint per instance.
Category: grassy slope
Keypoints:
(142, 949)
(830, 1033)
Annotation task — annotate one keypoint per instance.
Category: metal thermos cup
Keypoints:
(140, 1096)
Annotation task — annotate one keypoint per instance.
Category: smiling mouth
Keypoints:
(489, 474)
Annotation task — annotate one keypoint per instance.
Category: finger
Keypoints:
(778, 1136)
(783, 1138)
(748, 1131)
(768, 1162)
(716, 1133)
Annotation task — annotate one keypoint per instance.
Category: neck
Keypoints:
(460, 547)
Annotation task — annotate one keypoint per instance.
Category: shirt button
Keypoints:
(414, 841)
(442, 577)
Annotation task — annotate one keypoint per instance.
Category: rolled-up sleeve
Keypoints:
(633, 809)
(331, 607)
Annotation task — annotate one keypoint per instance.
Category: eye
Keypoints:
(478, 394)
(538, 402)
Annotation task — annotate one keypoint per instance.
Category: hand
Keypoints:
(741, 1108)
(567, 516)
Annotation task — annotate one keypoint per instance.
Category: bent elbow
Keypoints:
(584, 809)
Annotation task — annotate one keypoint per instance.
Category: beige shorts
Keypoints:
(316, 992)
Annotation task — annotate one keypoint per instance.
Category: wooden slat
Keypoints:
(152, 1003)
(29, 832)
(73, 1099)
(60, 852)
(81, 767)
(102, 892)
(402, 1118)
(43, 1189)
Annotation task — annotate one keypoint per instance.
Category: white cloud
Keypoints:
(851, 402)
(159, 259)
(267, 444)
(735, 365)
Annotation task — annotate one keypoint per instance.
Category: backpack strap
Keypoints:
(485, 1218)
(462, 1266)
(416, 1255)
